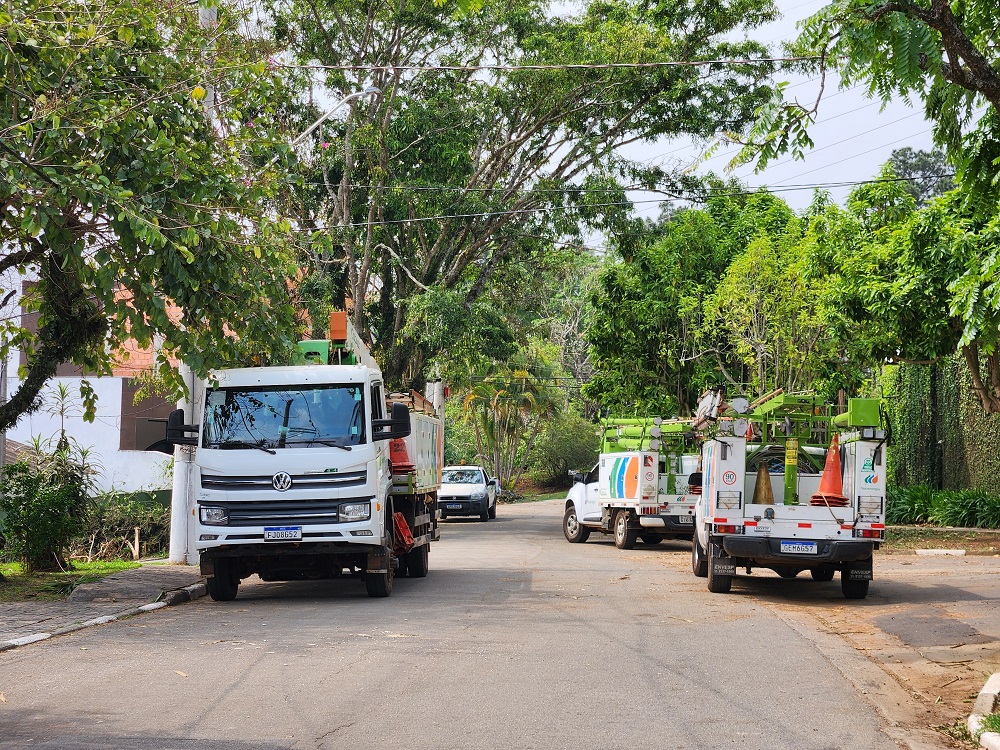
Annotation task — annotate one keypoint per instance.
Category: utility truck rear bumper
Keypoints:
(767, 551)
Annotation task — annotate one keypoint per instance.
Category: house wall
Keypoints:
(120, 470)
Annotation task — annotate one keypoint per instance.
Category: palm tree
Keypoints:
(508, 407)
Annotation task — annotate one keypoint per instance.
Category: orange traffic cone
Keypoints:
(399, 457)
(762, 492)
(831, 485)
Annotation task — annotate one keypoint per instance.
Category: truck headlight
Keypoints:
(214, 516)
(355, 511)
(478, 496)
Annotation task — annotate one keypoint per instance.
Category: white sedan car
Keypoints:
(467, 491)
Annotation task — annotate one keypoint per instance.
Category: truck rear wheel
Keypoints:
(574, 531)
(418, 561)
(717, 584)
(822, 573)
(625, 538)
(224, 584)
(853, 589)
(699, 565)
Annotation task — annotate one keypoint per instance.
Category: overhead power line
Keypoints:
(546, 209)
(557, 66)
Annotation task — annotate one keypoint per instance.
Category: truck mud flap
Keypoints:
(858, 572)
(378, 562)
(723, 566)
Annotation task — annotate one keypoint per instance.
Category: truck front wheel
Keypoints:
(625, 537)
(574, 531)
(224, 584)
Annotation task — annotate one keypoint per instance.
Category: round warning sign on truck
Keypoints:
(729, 477)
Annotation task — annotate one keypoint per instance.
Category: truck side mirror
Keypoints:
(177, 430)
(398, 423)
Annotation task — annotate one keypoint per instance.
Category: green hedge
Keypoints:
(941, 437)
(922, 505)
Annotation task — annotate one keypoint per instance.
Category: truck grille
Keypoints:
(297, 513)
(299, 481)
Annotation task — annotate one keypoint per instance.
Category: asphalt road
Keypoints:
(516, 639)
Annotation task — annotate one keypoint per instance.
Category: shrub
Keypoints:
(43, 502)
(109, 529)
(909, 505)
(567, 444)
(956, 508)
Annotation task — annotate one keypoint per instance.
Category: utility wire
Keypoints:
(556, 66)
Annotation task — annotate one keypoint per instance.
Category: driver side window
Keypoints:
(593, 476)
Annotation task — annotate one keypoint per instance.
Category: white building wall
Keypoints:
(122, 471)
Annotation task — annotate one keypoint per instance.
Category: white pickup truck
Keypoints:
(634, 495)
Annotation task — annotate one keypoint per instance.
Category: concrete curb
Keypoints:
(167, 599)
(987, 702)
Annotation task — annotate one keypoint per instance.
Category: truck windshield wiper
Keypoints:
(244, 444)
(331, 443)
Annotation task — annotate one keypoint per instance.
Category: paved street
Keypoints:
(516, 639)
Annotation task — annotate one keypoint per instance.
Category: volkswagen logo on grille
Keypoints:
(282, 481)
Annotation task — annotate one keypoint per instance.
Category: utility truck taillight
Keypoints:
(727, 528)
(869, 534)
(649, 510)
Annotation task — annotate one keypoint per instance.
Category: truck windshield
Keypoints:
(283, 417)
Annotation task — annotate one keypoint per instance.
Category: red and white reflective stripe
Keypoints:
(721, 520)
(878, 525)
(749, 523)
(846, 527)
(805, 525)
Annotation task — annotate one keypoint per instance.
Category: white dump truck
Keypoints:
(311, 471)
(640, 493)
(773, 505)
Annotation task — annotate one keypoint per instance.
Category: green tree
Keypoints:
(136, 216)
(456, 172)
(927, 173)
(508, 407)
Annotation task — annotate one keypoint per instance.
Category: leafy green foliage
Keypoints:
(109, 528)
(43, 505)
(137, 215)
(456, 176)
(922, 505)
(569, 443)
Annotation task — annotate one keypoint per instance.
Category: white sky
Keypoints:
(852, 137)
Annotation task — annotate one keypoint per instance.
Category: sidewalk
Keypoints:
(124, 594)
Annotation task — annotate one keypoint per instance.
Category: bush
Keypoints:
(43, 503)
(110, 524)
(965, 508)
(567, 444)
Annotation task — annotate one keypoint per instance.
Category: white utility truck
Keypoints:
(300, 472)
(642, 492)
(772, 506)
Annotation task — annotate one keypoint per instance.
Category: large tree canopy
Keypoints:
(133, 214)
(455, 172)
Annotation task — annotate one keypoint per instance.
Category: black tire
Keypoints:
(379, 585)
(418, 561)
(651, 538)
(225, 584)
(788, 572)
(717, 584)
(493, 510)
(822, 573)
(853, 589)
(699, 563)
(574, 531)
(625, 538)
(485, 515)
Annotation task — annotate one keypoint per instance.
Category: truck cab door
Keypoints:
(592, 501)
